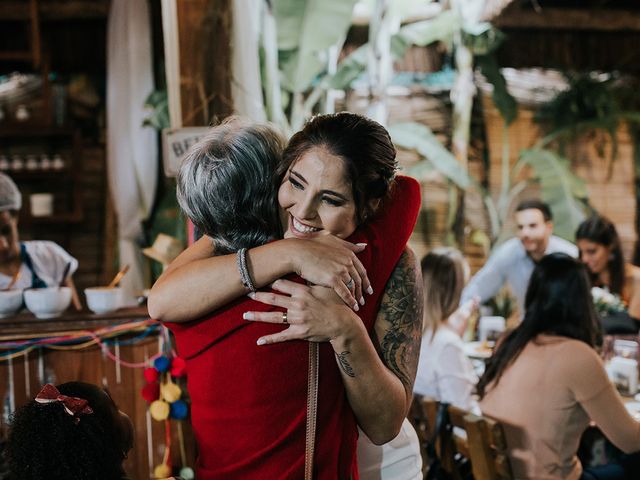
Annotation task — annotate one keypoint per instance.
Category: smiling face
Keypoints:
(594, 255)
(316, 197)
(533, 231)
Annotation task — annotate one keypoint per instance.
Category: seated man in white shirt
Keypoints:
(512, 262)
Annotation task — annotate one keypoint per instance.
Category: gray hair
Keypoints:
(10, 197)
(227, 184)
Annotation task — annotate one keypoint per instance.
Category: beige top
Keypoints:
(631, 289)
(545, 400)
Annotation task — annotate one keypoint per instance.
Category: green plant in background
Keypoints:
(158, 105)
(166, 216)
(305, 32)
(593, 102)
(561, 188)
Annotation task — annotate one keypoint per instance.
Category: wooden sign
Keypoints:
(175, 144)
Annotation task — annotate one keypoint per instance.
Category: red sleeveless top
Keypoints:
(248, 402)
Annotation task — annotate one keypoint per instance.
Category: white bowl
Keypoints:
(10, 302)
(103, 299)
(47, 302)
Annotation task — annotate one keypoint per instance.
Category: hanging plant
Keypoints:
(592, 105)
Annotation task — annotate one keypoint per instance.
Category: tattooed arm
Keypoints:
(380, 390)
(378, 374)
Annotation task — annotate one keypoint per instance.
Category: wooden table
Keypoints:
(27, 372)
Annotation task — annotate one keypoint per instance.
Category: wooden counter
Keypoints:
(27, 372)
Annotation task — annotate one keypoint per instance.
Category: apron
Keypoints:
(25, 258)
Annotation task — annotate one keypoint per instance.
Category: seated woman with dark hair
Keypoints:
(72, 431)
(601, 252)
(546, 382)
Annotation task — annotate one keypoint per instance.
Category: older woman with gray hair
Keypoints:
(29, 264)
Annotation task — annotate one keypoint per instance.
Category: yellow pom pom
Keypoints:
(162, 471)
(170, 392)
(159, 410)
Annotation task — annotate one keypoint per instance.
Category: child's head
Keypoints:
(72, 431)
(227, 184)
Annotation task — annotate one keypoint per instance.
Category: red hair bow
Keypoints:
(74, 406)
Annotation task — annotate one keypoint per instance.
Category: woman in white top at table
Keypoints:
(444, 372)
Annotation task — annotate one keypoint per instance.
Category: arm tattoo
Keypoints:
(399, 321)
(344, 363)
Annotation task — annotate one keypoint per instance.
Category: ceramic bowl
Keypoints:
(10, 302)
(47, 302)
(103, 299)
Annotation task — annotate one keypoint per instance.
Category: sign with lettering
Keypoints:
(175, 143)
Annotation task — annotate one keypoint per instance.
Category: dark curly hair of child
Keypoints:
(47, 441)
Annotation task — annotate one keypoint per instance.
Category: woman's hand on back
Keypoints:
(313, 313)
(332, 262)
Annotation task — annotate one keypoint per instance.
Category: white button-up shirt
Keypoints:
(511, 264)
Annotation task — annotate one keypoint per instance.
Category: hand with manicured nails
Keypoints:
(314, 313)
(331, 262)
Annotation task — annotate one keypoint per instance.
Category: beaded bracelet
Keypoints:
(245, 277)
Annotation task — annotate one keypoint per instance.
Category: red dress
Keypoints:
(249, 402)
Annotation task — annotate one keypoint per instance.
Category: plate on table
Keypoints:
(478, 349)
(633, 408)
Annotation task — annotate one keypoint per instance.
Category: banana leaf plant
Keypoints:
(565, 192)
(302, 32)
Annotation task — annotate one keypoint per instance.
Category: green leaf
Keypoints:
(502, 99)
(440, 28)
(349, 69)
(306, 29)
(482, 38)
(158, 103)
(565, 192)
(418, 137)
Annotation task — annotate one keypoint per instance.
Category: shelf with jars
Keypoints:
(46, 164)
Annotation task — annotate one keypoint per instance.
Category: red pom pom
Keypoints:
(151, 392)
(151, 374)
(178, 367)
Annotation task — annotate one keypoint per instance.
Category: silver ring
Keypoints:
(284, 318)
(350, 283)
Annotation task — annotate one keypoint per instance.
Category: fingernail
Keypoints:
(251, 295)
(247, 315)
(356, 307)
(370, 290)
(361, 244)
(361, 300)
(261, 341)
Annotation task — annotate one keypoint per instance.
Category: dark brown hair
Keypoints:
(600, 230)
(535, 204)
(558, 302)
(363, 144)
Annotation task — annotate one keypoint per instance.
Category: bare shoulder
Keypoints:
(398, 327)
(632, 273)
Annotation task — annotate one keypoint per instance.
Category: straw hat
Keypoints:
(164, 249)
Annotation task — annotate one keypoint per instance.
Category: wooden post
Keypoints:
(204, 32)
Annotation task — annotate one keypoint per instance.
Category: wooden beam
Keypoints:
(204, 31)
(55, 10)
(554, 18)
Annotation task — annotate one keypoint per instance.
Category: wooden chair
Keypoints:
(418, 418)
(479, 439)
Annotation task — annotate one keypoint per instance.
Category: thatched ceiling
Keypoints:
(569, 35)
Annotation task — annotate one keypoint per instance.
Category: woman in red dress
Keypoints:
(249, 390)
